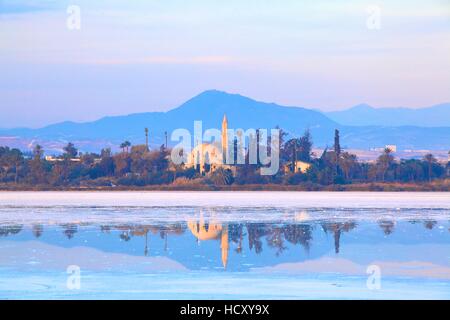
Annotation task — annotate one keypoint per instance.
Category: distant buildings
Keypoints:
(59, 159)
(297, 167)
(391, 147)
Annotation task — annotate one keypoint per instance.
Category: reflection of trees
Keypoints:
(105, 229)
(388, 226)
(255, 232)
(299, 234)
(337, 229)
(70, 229)
(275, 236)
(275, 240)
(429, 224)
(6, 231)
(37, 230)
(236, 235)
(129, 231)
(125, 236)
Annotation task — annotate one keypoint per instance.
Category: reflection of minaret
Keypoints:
(146, 245)
(211, 230)
(224, 246)
(337, 237)
(165, 241)
(224, 137)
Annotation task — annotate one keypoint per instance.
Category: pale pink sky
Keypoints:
(138, 56)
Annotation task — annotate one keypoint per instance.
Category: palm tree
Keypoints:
(125, 145)
(38, 151)
(430, 159)
(70, 151)
(384, 162)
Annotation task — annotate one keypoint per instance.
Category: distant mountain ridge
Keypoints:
(242, 112)
(366, 115)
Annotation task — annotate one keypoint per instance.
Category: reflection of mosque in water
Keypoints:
(204, 231)
(227, 235)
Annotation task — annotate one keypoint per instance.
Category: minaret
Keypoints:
(146, 138)
(224, 138)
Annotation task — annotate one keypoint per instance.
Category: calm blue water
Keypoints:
(190, 253)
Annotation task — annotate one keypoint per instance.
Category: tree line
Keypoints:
(139, 166)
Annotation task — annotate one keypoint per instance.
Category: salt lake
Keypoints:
(224, 245)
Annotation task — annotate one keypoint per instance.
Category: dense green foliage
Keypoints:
(138, 166)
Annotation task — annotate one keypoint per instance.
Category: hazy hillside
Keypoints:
(242, 112)
(209, 106)
(365, 115)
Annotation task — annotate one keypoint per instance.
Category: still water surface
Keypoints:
(210, 251)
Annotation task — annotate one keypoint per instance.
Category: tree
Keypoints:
(141, 163)
(10, 162)
(410, 170)
(297, 149)
(348, 163)
(106, 165)
(283, 134)
(161, 162)
(37, 168)
(125, 146)
(430, 160)
(38, 152)
(222, 177)
(106, 153)
(305, 147)
(122, 164)
(290, 153)
(337, 143)
(337, 152)
(384, 161)
(16, 158)
(70, 151)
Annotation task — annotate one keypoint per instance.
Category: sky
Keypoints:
(134, 56)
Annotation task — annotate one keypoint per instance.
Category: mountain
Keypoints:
(210, 106)
(365, 115)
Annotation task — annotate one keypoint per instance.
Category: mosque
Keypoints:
(208, 157)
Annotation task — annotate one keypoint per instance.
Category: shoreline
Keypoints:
(438, 186)
(244, 199)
